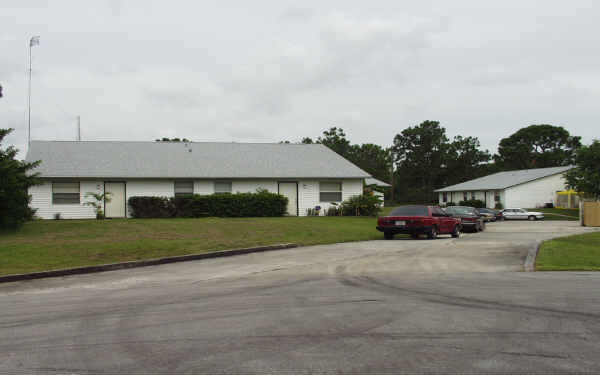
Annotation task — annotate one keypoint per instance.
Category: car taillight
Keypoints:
(469, 219)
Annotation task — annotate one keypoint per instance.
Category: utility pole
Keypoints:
(34, 41)
(79, 128)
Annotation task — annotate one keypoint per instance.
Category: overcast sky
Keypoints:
(266, 71)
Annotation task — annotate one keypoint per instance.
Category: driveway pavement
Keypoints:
(386, 307)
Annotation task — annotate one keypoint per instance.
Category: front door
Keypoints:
(290, 191)
(116, 193)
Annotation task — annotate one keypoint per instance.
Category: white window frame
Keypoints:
(182, 194)
(73, 193)
(223, 182)
(321, 191)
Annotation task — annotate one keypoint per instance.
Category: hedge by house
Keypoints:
(261, 203)
(477, 203)
(361, 205)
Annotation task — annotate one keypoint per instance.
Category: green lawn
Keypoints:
(558, 213)
(54, 244)
(580, 252)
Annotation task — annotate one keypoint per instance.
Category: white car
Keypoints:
(521, 214)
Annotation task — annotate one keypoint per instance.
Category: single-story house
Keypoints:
(308, 175)
(526, 188)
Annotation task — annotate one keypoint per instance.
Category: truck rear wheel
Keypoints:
(388, 235)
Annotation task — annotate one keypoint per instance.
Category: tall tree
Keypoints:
(15, 180)
(419, 154)
(373, 159)
(585, 177)
(537, 146)
(465, 160)
(335, 139)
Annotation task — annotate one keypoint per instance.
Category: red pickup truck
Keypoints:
(416, 220)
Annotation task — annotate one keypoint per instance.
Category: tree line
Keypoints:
(422, 158)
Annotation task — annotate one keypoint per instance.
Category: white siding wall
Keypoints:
(308, 194)
(204, 187)
(485, 196)
(535, 193)
(351, 188)
(41, 199)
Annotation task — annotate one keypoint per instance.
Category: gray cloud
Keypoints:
(269, 71)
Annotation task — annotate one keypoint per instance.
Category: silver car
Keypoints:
(521, 214)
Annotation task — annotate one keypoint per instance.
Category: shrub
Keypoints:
(361, 205)
(334, 210)
(98, 202)
(449, 204)
(184, 207)
(149, 207)
(16, 178)
(472, 203)
(499, 206)
(262, 203)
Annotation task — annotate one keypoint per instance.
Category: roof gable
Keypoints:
(503, 180)
(91, 159)
(376, 182)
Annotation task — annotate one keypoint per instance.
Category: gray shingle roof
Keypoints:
(503, 180)
(376, 182)
(175, 160)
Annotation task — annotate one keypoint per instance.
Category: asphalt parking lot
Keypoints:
(387, 307)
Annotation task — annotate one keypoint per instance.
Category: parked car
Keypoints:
(495, 214)
(469, 217)
(416, 220)
(521, 214)
(486, 216)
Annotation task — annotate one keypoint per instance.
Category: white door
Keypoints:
(290, 190)
(116, 206)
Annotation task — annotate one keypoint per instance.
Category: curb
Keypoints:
(531, 256)
(142, 263)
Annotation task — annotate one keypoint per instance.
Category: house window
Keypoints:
(465, 196)
(497, 196)
(445, 197)
(472, 195)
(184, 189)
(65, 192)
(330, 191)
(222, 186)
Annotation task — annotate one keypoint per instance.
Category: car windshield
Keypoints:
(410, 211)
(459, 210)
